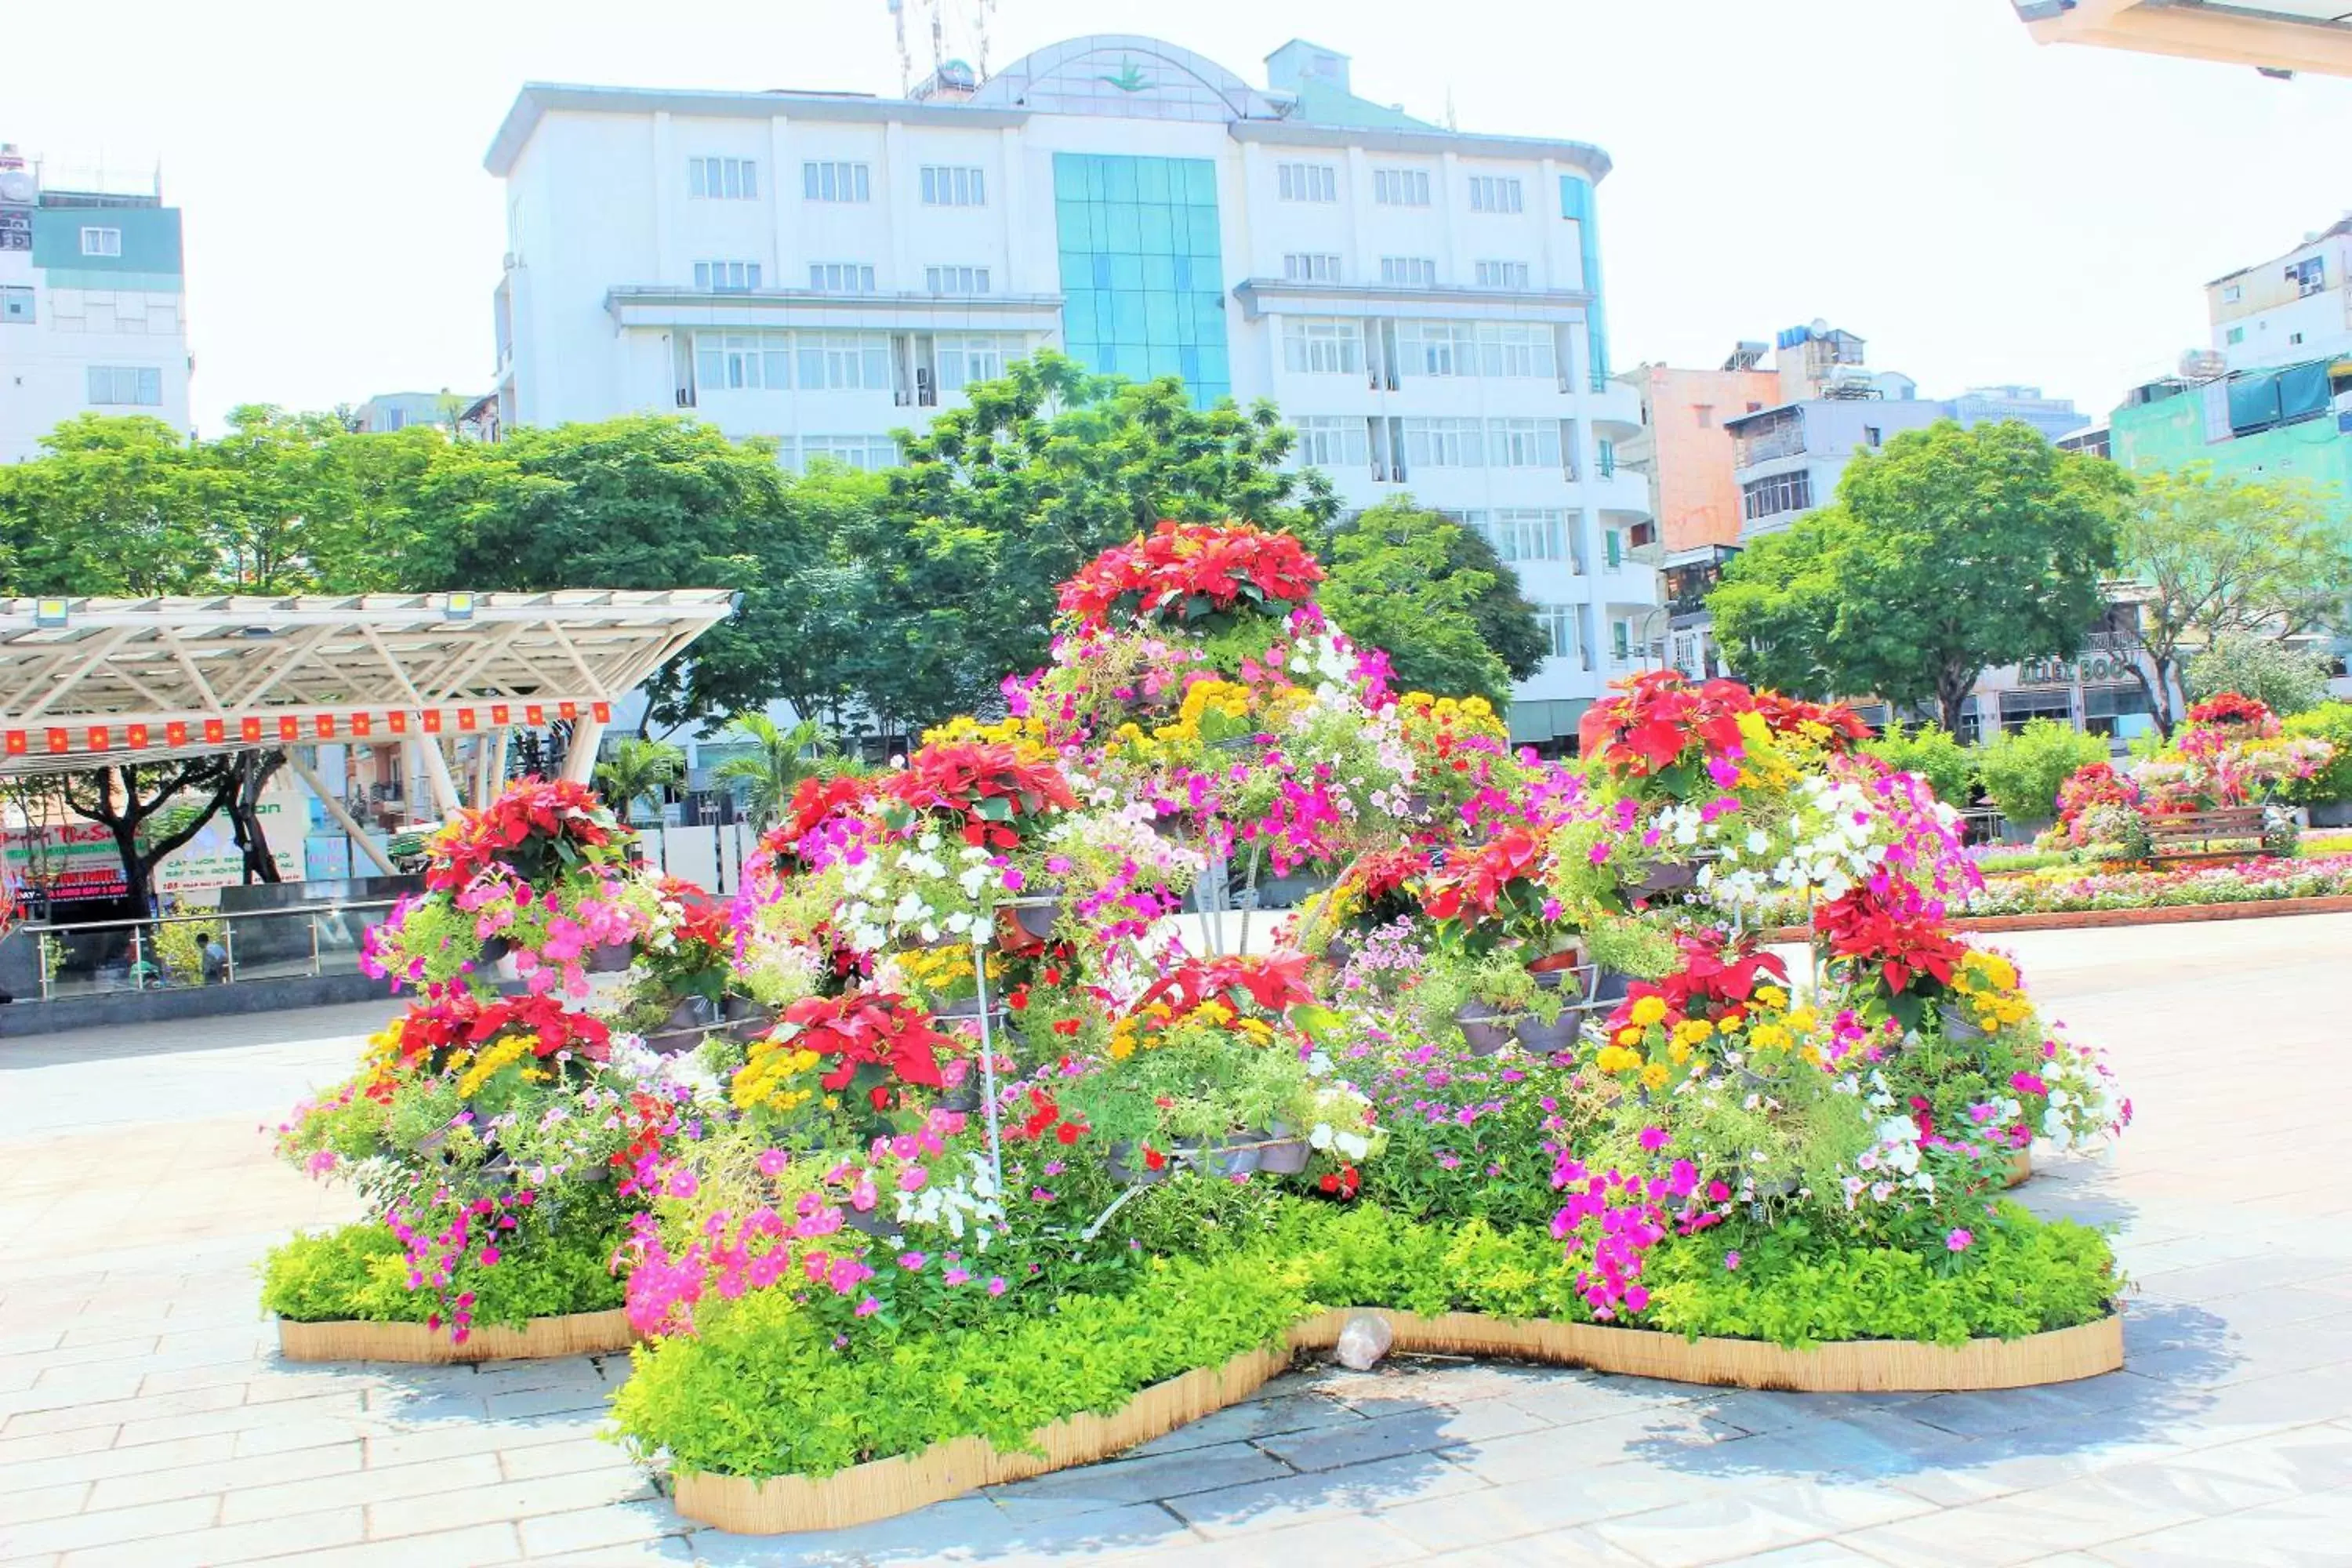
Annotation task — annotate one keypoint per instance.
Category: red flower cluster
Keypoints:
(985, 790)
(1184, 571)
(536, 828)
(2233, 707)
(1898, 929)
(1276, 982)
(1044, 1120)
(1660, 718)
(1474, 886)
(868, 1029)
(1342, 1182)
(1378, 873)
(459, 1019)
(2095, 783)
(1718, 977)
(705, 918)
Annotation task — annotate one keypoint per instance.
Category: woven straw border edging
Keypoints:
(902, 1483)
(2021, 1169)
(576, 1333)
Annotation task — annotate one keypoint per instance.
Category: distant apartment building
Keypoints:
(2288, 310)
(93, 309)
(459, 416)
(2277, 38)
(1685, 446)
(1424, 305)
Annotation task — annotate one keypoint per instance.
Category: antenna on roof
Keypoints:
(939, 35)
(906, 65)
(980, 40)
(1450, 124)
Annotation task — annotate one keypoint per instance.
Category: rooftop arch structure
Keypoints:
(1126, 75)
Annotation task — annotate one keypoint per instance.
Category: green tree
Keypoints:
(1396, 580)
(785, 756)
(2289, 679)
(637, 502)
(638, 769)
(2228, 557)
(1954, 550)
(127, 800)
(1000, 500)
(113, 506)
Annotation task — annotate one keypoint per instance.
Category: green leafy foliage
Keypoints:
(2332, 723)
(2287, 679)
(1932, 752)
(1953, 550)
(760, 1390)
(361, 1273)
(1434, 596)
(2023, 768)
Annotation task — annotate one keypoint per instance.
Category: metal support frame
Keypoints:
(326, 797)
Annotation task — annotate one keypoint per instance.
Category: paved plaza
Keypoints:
(144, 1419)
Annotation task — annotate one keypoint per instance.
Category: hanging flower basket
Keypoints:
(1485, 1033)
(611, 958)
(747, 1020)
(1037, 918)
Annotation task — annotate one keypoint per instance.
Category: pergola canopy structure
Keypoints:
(88, 682)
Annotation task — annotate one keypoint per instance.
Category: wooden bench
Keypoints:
(2191, 836)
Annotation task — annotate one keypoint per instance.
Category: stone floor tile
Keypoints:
(568, 1457)
(299, 1536)
(2297, 1532)
(1341, 1542)
(151, 1482)
(507, 1501)
(463, 1548)
(1407, 1431)
(1408, 1481)
(112, 1526)
(32, 1506)
(1125, 1481)
(355, 1488)
(614, 1524)
(1256, 1418)
(1753, 1520)
(1567, 1498)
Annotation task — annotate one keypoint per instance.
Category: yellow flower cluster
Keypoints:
(1988, 982)
(501, 1053)
(1027, 736)
(1159, 1022)
(936, 968)
(1227, 699)
(1661, 1052)
(767, 1078)
(1464, 715)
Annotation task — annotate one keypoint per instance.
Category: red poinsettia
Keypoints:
(1184, 571)
(2233, 707)
(1276, 982)
(1493, 880)
(457, 1018)
(1661, 722)
(1896, 930)
(868, 1029)
(2093, 783)
(1718, 977)
(537, 829)
(983, 789)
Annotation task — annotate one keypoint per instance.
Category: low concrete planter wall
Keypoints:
(902, 1483)
(114, 1009)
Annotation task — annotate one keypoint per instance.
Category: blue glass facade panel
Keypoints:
(1143, 273)
(1576, 201)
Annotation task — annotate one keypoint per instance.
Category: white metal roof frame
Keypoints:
(85, 681)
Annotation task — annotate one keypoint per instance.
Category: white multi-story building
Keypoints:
(93, 314)
(1423, 305)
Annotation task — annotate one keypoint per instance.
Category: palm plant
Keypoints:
(637, 769)
(785, 756)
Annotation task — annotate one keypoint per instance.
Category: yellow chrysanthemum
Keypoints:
(1649, 1010)
(502, 1052)
(1617, 1058)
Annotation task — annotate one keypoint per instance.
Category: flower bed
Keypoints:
(997, 1155)
(2069, 889)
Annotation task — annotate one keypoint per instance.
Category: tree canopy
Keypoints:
(1952, 551)
(2227, 559)
(1434, 596)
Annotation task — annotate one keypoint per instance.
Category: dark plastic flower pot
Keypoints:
(1959, 1027)
(1038, 920)
(612, 957)
(1284, 1157)
(494, 948)
(1484, 1033)
(747, 1020)
(1553, 1037)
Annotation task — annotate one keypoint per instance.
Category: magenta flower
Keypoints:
(1959, 1241)
(1656, 1138)
(2028, 1083)
(772, 1163)
(1731, 1258)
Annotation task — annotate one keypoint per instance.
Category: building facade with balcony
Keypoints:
(1423, 305)
(93, 306)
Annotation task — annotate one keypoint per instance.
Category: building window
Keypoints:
(101, 242)
(742, 362)
(1437, 348)
(1621, 639)
(1142, 268)
(963, 361)
(16, 304)
(1308, 181)
(951, 280)
(837, 183)
(1409, 271)
(1509, 349)
(2309, 276)
(1400, 187)
(1444, 444)
(726, 277)
(843, 362)
(840, 278)
(1564, 623)
(2231, 294)
(1317, 345)
(1494, 194)
(1333, 441)
(2294, 338)
(1502, 274)
(1605, 457)
(124, 386)
(866, 452)
(1782, 493)
(1310, 266)
(2237, 335)
(1522, 443)
(1522, 533)
(946, 185)
(1705, 412)
(723, 179)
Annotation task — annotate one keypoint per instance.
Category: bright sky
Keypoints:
(1979, 209)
